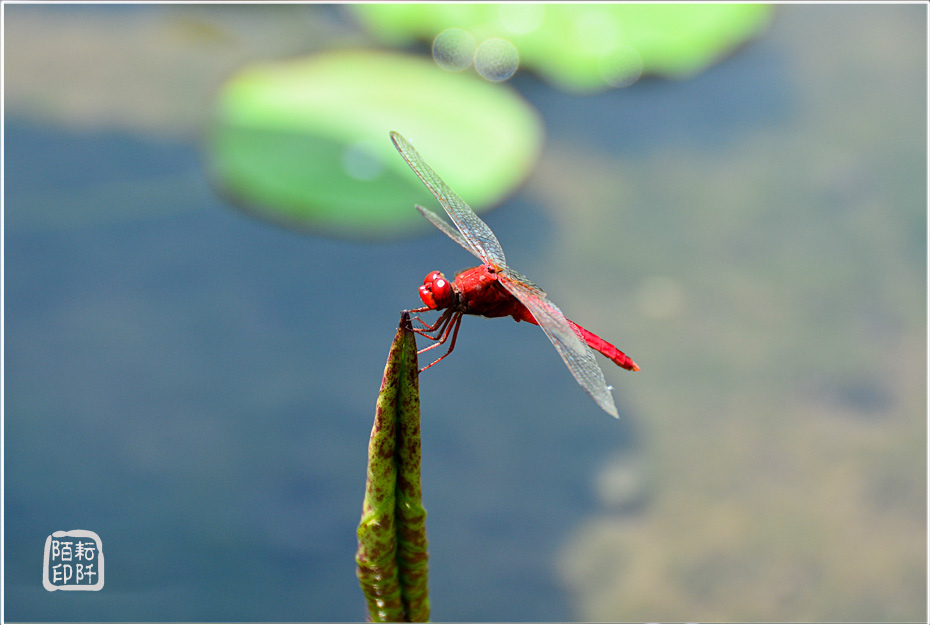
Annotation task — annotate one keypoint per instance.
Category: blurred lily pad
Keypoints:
(304, 142)
(585, 47)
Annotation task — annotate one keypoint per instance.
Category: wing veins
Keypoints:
(575, 353)
(481, 240)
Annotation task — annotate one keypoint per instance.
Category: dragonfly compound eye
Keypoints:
(427, 296)
(442, 292)
(436, 292)
(432, 277)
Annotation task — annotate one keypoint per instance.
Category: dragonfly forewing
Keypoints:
(481, 241)
(526, 283)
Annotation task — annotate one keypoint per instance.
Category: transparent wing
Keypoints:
(527, 284)
(480, 240)
(574, 352)
(440, 223)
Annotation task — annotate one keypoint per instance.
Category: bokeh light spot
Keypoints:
(620, 483)
(595, 31)
(497, 59)
(359, 161)
(454, 49)
(621, 66)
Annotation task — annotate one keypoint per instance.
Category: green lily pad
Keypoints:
(585, 47)
(304, 142)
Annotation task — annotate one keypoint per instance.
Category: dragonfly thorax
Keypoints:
(437, 292)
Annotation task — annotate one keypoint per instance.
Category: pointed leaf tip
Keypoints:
(392, 553)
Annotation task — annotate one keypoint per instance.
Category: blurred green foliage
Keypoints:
(581, 47)
(304, 142)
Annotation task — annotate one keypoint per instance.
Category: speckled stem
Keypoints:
(392, 557)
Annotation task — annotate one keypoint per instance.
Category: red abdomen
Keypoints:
(594, 342)
(482, 294)
(598, 344)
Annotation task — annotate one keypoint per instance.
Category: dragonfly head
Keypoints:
(437, 292)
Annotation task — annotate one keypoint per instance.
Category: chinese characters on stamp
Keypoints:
(73, 561)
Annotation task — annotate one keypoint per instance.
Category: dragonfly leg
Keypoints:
(457, 323)
(441, 335)
(436, 328)
(415, 317)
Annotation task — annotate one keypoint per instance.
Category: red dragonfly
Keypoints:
(493, 289)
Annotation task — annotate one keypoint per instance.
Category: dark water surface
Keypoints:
(198, 388)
